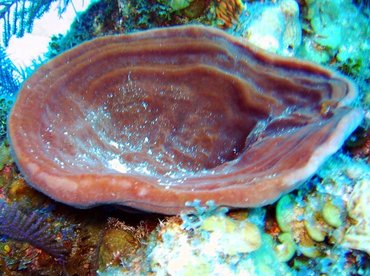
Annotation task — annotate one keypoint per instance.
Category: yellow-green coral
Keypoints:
(178, 4)
(287, 247)
(332, 214)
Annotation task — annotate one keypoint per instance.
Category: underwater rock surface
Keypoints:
(155, 119)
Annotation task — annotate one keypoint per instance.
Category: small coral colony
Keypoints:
(188, 137)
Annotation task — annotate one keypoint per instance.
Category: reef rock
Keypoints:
(275, 28)
(358, 235)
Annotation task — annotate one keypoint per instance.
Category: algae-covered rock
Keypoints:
(338, 33)
(238, 236)
(116, 244)
(5, 156)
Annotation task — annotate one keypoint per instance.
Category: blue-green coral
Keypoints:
(10, 76)
(10, 79)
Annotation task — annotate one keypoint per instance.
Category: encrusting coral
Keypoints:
(358, 234)
(275, 27)
(117, 128)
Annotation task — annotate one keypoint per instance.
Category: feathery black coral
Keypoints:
(10, 76)
(18, 16)
(31, 228)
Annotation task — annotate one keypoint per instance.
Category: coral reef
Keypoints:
(328, 213)
(205, 242)
(307, 234)
(321, 228)
(74, 237)
(218, 245)
(325, 214)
